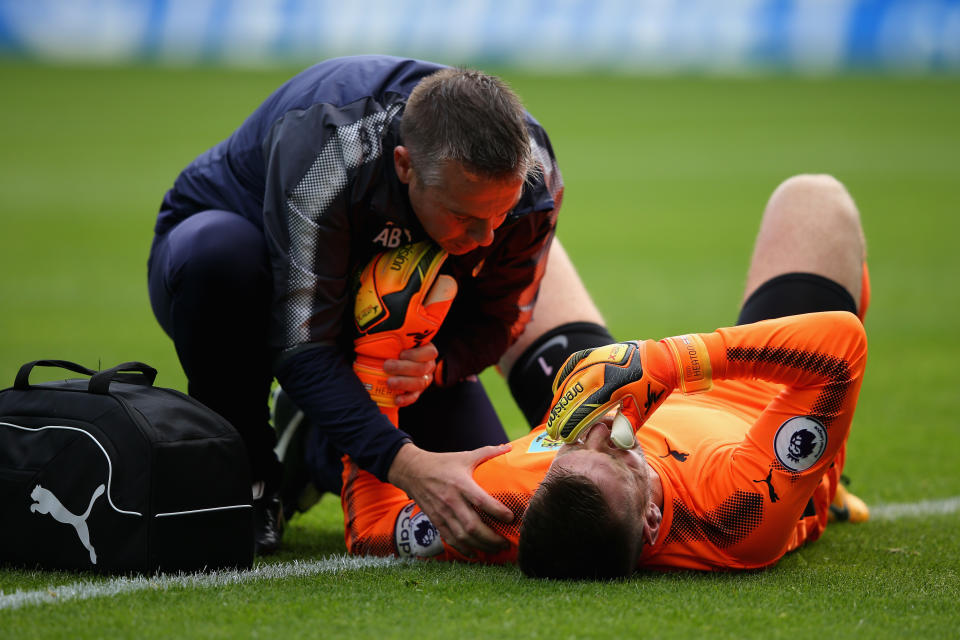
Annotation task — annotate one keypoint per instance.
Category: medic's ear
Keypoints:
(402, 163)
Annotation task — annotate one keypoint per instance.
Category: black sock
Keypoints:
(531, 377)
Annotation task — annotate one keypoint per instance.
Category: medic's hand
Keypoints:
(411, 372)
(443, 485)
(400, 303)
(634, 376)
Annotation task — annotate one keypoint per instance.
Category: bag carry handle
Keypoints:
(129, 372)
(23, 376)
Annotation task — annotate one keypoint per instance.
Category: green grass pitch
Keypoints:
(666, 179)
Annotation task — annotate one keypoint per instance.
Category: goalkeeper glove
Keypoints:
(635, 377)
(400, 303)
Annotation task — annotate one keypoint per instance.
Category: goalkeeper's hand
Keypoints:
(635, 377)
(400, 304)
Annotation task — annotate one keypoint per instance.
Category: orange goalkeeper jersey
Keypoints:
(748, 468)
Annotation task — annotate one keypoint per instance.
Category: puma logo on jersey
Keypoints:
(769, 481)
(45, 502)
(676, 455)
(392, 236)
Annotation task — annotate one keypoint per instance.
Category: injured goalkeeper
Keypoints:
(711, 451)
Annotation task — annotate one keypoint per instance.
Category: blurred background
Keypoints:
(555, 35)
(672, 120)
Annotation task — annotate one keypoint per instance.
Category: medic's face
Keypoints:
(464, 210)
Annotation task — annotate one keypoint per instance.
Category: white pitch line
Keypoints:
(297, 568)
(943, 506)
(88, 589)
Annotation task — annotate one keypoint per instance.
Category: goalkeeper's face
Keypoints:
(462, 212)
(621, 475)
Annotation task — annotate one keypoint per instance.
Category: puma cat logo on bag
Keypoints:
(47, 503)
(150, 479)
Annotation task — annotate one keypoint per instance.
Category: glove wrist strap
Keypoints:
(374, 379)
(693, 363)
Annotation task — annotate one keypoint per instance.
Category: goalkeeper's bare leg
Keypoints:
(810, 225)
(810, 255)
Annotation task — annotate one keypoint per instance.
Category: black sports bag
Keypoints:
(112, 474)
